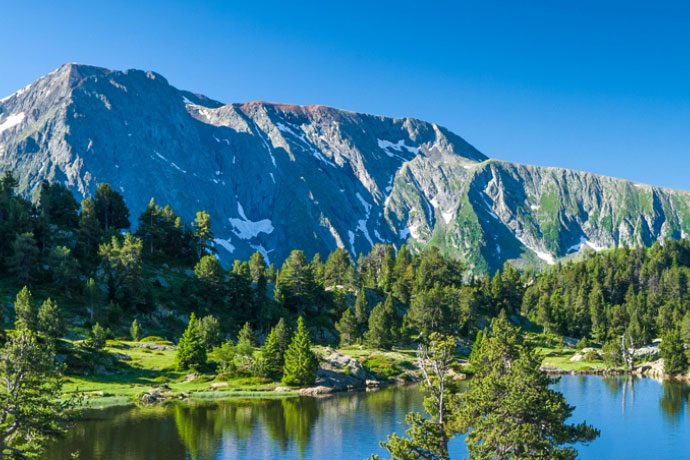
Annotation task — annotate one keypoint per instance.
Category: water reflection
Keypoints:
(226, 429)
(629, 412)
(674, 399)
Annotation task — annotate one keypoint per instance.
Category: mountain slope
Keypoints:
(276, 177)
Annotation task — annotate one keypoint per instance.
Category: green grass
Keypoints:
(384, 365)
(145, 369)
(560, 359)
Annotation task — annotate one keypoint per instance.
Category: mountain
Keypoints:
(275, 177)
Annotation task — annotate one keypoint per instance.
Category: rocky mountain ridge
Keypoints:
(276, 177)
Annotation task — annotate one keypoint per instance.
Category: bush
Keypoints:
(384, 367)
(582, 343)
(592, 356)
(260, 368)
(611, 353)
(98, 337)
(156, 340)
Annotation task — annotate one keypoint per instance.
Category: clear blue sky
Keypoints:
(601, 86)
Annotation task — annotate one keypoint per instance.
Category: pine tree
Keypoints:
(283, 336)
(673, 352)
(24, 311)
(434, 310)
(49, 320)
(348, 328)
(257, 266)
(296, 284)
(24, 257)
(476, 346)
(88, 234)
(111, 209)
(510, 409)
(98, 337)
(338, 270)
(361, 312)
(191, 351)
(247, 335)
(272, 354)
(202, 232)
(33, 409)
(384, 325)
(211, 275)
(209, 331)
(135, 331)
(300, 362)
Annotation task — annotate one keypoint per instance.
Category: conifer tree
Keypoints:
(88, 234)
(211, 276)
(272, 354)
(98, 337)
(203, 233)
(135, 331)
(49, 320)
(384, 325)
(209, 331)
(338, 270)
(348, 328)
(361, 312)
(25, 316)
(33, 410)
(111, 209)
(673, 352)
(191, 351)
(300, 361)
(295, 284)
(247, 336)
(510, 411)
(23, 259)
(283, 337)
(257, 266)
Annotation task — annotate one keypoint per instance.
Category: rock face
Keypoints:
(276, 177)
(338, 372)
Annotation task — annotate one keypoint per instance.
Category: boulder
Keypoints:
(216, 385)
(318, 390)
(154, 346)
(647, 352)
(282, 389)
(569, 342)
(586, 353)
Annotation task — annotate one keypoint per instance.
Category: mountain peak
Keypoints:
(276, 176)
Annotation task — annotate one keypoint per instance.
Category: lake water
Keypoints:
(639, 419)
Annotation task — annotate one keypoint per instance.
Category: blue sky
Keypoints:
(601, 86)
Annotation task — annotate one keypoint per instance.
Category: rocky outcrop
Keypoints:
(159, 395)
(339, 372)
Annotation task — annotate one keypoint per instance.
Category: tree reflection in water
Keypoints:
(674, 399)
(235, 428)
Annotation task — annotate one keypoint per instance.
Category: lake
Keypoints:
(638, 418)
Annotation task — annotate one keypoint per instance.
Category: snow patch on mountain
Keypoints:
(399, 146)
(11, 121)
(303, 142)
(246, 228)
(545, 256)
(225, 244)
(172, 164)
(365, 203)
(264, 252)
(584, 241)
